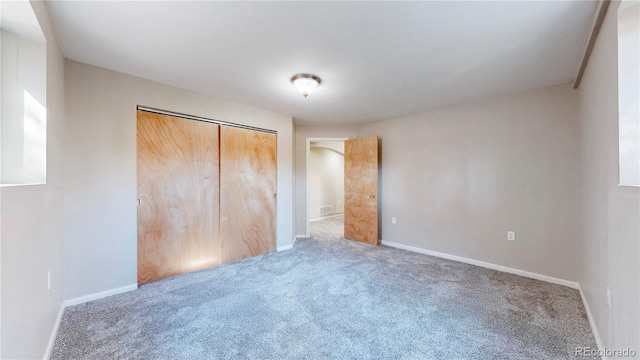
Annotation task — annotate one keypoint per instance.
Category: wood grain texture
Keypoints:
(361, 189)
(178, 187)
(247, 193)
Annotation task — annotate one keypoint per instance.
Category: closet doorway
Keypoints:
(206, 193)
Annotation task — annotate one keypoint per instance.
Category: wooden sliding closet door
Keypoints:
(247, 193)
(361, 189)
(178, 188)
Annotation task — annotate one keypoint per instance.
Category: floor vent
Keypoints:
(326, 210)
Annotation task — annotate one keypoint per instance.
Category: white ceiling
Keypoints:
(18, 18)
(377, 60)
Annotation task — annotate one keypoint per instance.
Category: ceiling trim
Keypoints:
(601, 12)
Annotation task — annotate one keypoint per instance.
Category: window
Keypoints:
(629, 92)
(23, 118)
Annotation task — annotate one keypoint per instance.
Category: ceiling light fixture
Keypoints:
(305, 83)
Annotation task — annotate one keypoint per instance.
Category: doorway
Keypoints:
(325, 188)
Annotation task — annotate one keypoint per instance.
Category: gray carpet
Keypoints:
(328, 228)
(331, 298)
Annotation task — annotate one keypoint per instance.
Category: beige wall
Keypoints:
(100, 172)
(302, 134)
(326, 181)
(32, 231)
(458, 179)
(610, 231)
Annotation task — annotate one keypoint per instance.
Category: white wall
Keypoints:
(32, 230)
(458, 179)
(300, 151)
(100, 170)
(326, 181)
(610, 226)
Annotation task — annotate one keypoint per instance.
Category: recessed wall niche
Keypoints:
(23, 115)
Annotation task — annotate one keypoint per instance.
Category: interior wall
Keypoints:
(326, 181)
(100, 172)
(458, 179)
(300, 175)
(610, 230)
(32, 230)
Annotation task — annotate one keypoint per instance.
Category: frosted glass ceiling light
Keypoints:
(305, 83)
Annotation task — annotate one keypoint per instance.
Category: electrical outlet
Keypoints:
(49, 280)
(393, 220)
(609, 298)
(511, 235)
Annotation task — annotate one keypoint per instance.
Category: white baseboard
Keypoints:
(571, 284)
(81, 300)
(326, 217)
(592, 322)
(285, 248)
(52, 337)
(99, 295)
(293, 243)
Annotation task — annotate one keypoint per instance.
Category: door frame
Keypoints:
(306, 169)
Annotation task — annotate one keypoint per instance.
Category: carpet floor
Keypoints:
(332, 227)
(330, 298)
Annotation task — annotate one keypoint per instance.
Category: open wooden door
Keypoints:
(361, 189)
(247, 193)
(178, 191)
